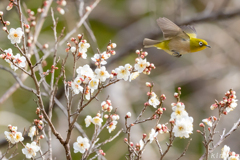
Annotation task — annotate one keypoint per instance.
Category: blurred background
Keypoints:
(204, 76)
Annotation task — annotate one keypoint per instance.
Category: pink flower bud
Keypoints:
(201, 125)
(131, 143)
(148, 84)
(125, 139)
(137, 52)
(144, 136)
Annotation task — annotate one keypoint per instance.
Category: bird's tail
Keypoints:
(149, 42)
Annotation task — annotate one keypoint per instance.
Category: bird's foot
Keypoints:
(176, 54)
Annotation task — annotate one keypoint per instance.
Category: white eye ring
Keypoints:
(200, 43)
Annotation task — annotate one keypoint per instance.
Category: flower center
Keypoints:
(15, 35)
(180, 128)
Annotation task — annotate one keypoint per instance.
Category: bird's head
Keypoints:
(198, 44)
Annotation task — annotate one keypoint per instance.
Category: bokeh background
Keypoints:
(204, 76)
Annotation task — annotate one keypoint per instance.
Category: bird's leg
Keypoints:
(176, 54)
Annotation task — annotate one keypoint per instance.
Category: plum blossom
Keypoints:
(225, 152)
(102, 74)
(81, 145)
(85, 71)
(88, 120)
(19, 60)
(183, 127)
(123, 72)
(152, 135)
(30, 150)
(97, 121)
(141, 65)
(15, 35)
(32, 132)
(112, 126)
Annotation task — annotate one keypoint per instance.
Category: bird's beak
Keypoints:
(208, 46)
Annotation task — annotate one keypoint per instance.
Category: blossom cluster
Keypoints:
(228, 104)
(13, 136)
(97, 120)
(30, 150)
(183, 124)
(14, 61)
(227, 155)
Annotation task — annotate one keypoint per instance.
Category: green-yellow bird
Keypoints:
(178, 40)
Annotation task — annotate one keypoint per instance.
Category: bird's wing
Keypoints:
(170, 29)
(190, 31)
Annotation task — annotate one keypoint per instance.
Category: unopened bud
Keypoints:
(128, 115)
(61, 11)
(4, 28)
(1, 13)
(125, 139)
(7, 23)
(88, 8)
(137, 52)
(148, 84)
(144, 135)
(45, 46)
(98, 114)
(201, 125)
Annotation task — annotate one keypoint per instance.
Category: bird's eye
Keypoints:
(200, 43)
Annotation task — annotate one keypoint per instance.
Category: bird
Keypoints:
(177, 40)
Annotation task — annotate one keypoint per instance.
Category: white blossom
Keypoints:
(19, 60)
(102, 74)
(30, 150)
(225, 152)
(152, 135)
(81, 145)
(133, 76)
(9, 54)
(141, 144)
(32, 132)
(234, 156)
(14, 128)
(112, 126)
(18, 137)
(15, 35)
(141, 65)
(207, 121)
(179, 113)
(85, 71)
(88, 120)
(76, 88)
(100, 58)
(97, 121)
(123, 72)
(11, 136)
(93, 84)
(83, 46)
(153, 101)
(183, 127)
(179, 105)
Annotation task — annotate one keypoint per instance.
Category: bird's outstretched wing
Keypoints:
(189, 30)
(170, 29)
